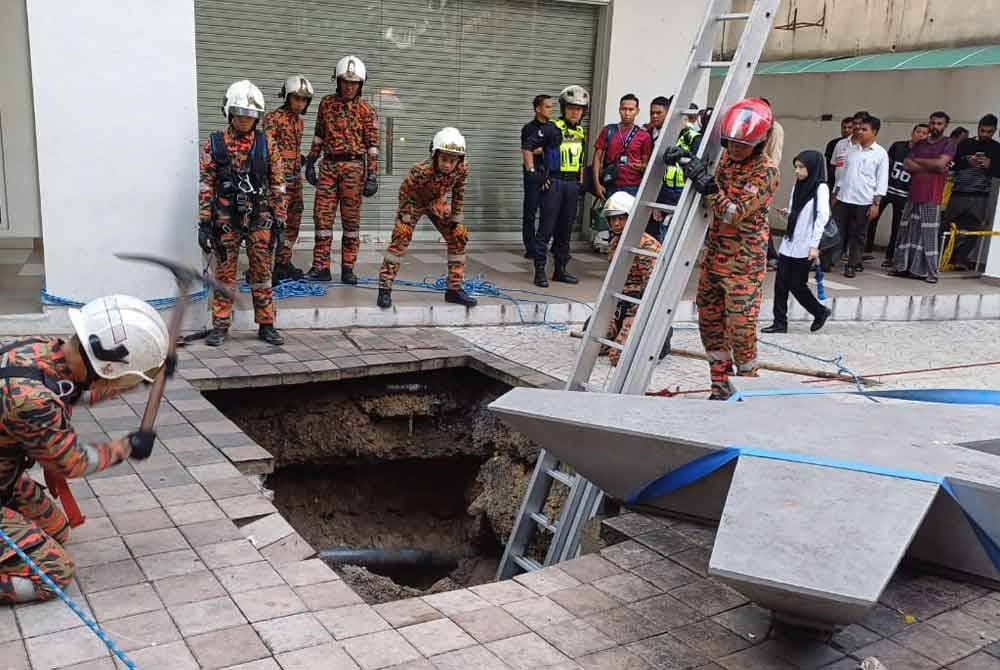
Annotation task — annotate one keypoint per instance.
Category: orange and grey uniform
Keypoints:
(635, 285)
(232, 228)
(35, 424)
(734, 265)
(425, 192)
(284, 128)
(346, 131)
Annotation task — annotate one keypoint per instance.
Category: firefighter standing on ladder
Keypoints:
(734, 261)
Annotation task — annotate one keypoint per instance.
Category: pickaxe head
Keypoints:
(185, 274)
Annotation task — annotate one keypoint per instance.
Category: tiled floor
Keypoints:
(21, 279)
(187, 565)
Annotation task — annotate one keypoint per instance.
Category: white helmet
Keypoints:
(450, 141)
(243, 99)
(121, 335)
(619, 203)
(298, 85)
(574, 95)
(351, 68)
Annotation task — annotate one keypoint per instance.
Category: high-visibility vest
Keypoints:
(571, 148)
(673, 176)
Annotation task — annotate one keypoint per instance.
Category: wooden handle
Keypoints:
(173, 333)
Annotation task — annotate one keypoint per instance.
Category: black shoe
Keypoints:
(460, 297)
(867, 256)
(820, 320)
(216, 337)
(315, 274)
(899, 273)
(561, 275)
(888, 264)
(775, 328)
(384, 298)
(269, 334)
(285, 272)
(540, 279)
(347, 276)
(849, 272)
(859, 268)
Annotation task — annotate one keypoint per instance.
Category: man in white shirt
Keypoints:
(861, 185)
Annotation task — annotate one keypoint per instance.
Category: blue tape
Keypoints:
(946, 396)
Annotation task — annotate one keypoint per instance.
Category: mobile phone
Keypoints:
(980, 154)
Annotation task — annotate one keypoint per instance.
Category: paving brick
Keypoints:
(155, 542)
(170, 656)
(213, 472)
(490, 624)
(618, 658)
(351, 621)
(137, 522)
(710, 639)
(589, 568)
(312, 571)
(547, 580)
(882, 620)
(190, 588)
(892, 655)
(408, 612)
(633, 524)
(230, 487)
(170, 564)
(97, 528)
(142, 630)
(288, 550)
(109, 576)
(665, 574)
(14, 656)
(246, 506)
(501, 593)
(709, 597)
(624, 625)
(248, 577)
(262, 664)
(47, 617)
(197, 512)
(477, 657)
(538, 612)
(131, 502)
(978, 661)
(932, 643)
(124, 601)
(665, 541)
(225, 554)
(752, 622)
(206, 615)
(166, 477)
(804, 652)
(201, 457)
(694, 559)
(97, 664)
(117, 486)
(455, 602)
(267, 531)
(380, 650)
(328, 656)
(576, 638)
(224, 648)
(328, 595)
(98, 552)
(67, 647)
(629, 554)
(8, 624)
(764, 657)
(964, 626)
(526, 652)
(210, 532)
(584, 599)
(626, 587)
(269, 603)
(181, 495)
(292, 632)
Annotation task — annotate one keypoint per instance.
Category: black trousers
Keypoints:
(532, 200)
(793, 277)
(855, 226)
(897, 202)
(559, 207)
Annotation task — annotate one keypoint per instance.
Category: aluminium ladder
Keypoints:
(656, 308)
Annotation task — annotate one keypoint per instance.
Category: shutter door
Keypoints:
(474, 64)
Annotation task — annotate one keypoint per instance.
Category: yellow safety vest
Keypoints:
(571, 149)
(673, 176)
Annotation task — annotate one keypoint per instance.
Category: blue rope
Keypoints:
(53, 300)
(69, 602)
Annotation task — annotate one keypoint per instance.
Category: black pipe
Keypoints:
(388, 558)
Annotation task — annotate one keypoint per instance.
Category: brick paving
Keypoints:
(186, 564)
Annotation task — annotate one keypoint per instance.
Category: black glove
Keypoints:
(701, 181)
(141, 444)
(311, 169)
(674, 154)
(371, 185)
(205, 238)
(170, 365)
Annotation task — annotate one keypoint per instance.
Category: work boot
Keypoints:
(285, 272)
(216, 337)
(384, 298)
(459, 297)
(315, 274)
(722, 390)
(268, 333)
(561, 275)
(775, 328)
(347, 276)
(821, 319)
(540, 279)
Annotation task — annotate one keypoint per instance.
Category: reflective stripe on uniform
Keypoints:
(392, 258)
(323, 234)
(351, 234)
(718, 355)
(457, 258)
(747, 367)
(261, 286)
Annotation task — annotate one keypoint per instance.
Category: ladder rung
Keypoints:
(660, 206)
(642, 252)
(708, 65)
(739, 16)
(543, 521)
(608, 343)
(627, 298)
(527, 564)
(561, 477)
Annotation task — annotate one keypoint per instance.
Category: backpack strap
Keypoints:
(220, 153)
(259, 163)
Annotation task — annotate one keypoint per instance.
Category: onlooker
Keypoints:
(624, 145)
(899, 189)
(957, 136)
(861, 187)
(807, 214)
(657, 116)
(688, 142)
(846, 128)
(917, 248)
(843, 147)
(977, 161)
(535, 135)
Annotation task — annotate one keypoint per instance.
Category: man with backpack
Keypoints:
(241, 200)
(621, 152)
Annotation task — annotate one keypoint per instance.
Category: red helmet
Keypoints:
(747, 121)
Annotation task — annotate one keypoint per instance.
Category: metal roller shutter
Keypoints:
(474, 64)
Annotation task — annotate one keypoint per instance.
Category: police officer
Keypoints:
(562, 192)
(688, 141)
(118, 342)
(425, 192)
(242, 200)
(284, 128)
(347, 136)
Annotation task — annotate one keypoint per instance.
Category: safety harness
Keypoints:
(245, 189)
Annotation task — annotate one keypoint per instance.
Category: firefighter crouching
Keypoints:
(425, 192)
(118, 342)
(242, 200)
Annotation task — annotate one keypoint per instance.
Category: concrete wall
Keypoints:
(116, 125)
(855, 27)
(18, 170)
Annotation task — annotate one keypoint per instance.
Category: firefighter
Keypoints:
(284, 128)
(347, 136)
(242, 200)
(425, 192)
(118, 341)
(734, 260)
(561, 191)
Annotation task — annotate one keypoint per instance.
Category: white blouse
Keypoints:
(808, 231)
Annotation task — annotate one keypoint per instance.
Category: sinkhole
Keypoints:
(408, 475)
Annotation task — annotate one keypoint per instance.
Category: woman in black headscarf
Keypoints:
(808, 212)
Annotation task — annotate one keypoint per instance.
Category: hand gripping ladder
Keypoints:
(656, 308)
